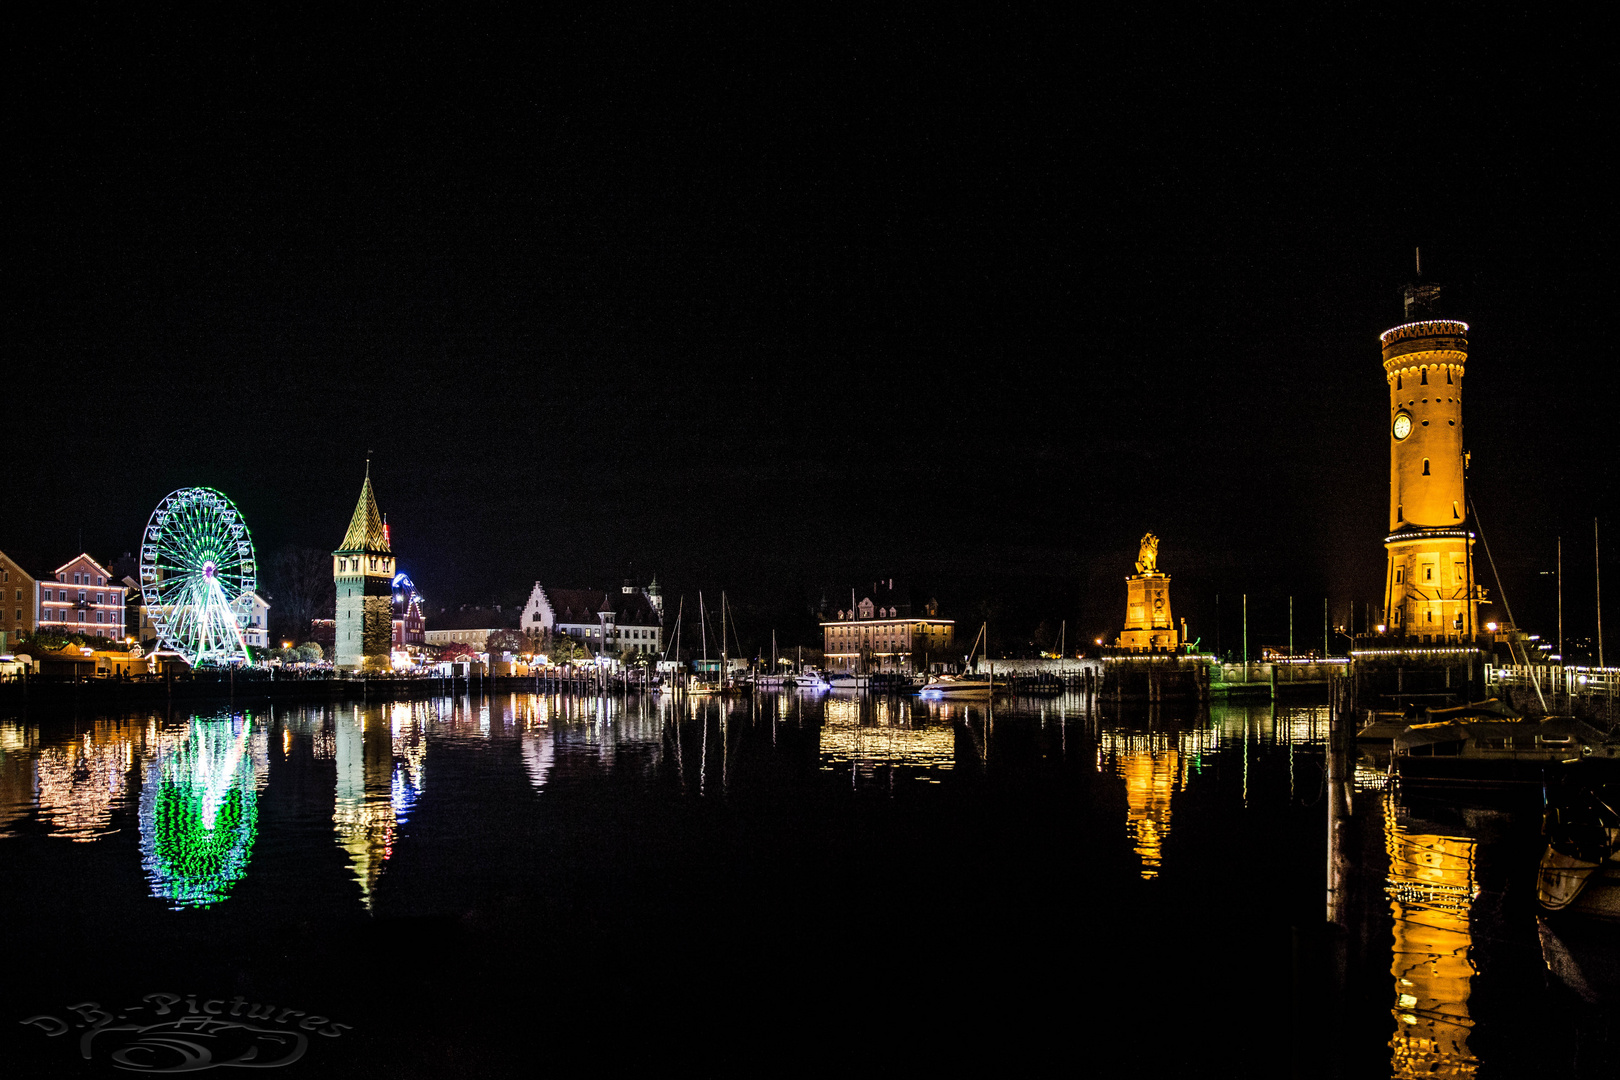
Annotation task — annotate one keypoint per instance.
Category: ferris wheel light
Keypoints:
(196, 569)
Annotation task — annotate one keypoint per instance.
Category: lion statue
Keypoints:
(1147, 561)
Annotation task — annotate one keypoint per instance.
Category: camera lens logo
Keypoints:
(205, 1034)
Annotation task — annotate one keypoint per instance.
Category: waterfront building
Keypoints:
(19, 601)
(469, 625)
(410, 625)
(603, 621)
(257, 610)
(1148, 623)
(878, 632)
(363, 569)
(81, 597)
(1430, 584)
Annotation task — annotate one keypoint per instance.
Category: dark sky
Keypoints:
(779, 304)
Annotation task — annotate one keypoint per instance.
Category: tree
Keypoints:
(506, 641)
(564, 649)
(299, 581)
(309, 653)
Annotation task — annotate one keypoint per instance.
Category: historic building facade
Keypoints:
(81, 597)
(1149, 626)
(1431, 590)
(629, 620)
(19, 606)
(363, 569)
(879, 633)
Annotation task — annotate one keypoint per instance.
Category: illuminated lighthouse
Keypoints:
(1430, 590)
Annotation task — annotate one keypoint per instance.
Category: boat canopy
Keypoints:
(1489, 709)
(1552, 731)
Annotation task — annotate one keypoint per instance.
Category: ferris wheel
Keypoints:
(197, 569)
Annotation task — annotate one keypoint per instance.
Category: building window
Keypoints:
(1428, 573)
(1397, 382)
(1398, 575)
(1425, 379)
(1425, 466)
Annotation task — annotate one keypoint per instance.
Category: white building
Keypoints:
(605, 622)
(257, 609)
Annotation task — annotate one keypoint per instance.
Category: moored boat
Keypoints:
(958, 686)
(1580, 866)
(1494, 753)
(809, 680)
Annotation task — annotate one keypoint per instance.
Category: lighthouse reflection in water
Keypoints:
(1126, 815)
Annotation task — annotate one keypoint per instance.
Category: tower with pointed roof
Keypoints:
(363, 567)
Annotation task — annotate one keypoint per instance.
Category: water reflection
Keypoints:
(1154, 766)
(873, 735)
(16, 774)
(200, 807)
(381, 758)
(1431, 888)
(80, 784)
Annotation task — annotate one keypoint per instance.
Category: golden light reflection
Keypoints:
(1431, 889)
(1153, 766)
(365, 816)
(16, 774)
(868, 733)
(80, 784)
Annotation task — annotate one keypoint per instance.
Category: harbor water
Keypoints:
(493, 885)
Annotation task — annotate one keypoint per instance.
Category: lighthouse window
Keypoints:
(1425, 379)
(1448, 376)
(1425, 466)
(1397, 382)
(1428, 573)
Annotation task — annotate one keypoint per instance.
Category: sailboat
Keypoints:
(774, 679)
(966, 685)
(701, 685)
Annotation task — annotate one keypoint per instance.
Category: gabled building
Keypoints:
(257, 609)
(19, 601)
(363, 569)
(81, 597)
(878, 632)
(630, 619)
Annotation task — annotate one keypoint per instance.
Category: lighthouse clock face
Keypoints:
(1403, 425)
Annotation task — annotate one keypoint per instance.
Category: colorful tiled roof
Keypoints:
(366, 532)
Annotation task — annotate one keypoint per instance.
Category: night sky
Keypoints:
(780, 304)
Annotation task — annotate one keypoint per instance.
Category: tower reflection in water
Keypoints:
(1431, 888)
(200, 807)
(380, 753)
(1154, 766)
